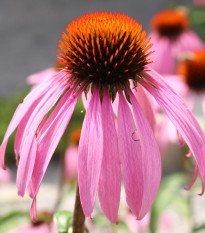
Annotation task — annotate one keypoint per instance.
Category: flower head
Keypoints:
(171, 36)
(193, 69)
(170, 23)
(104, 49)
(107, 53)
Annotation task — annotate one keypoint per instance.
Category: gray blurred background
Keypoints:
(30, 29)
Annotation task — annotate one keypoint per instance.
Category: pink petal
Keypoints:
(26, 164)
(180, 116)
(151, 159)
(50, 135)
(141, 164)
(90, 154)
(130, 155)
(24, 107)
(34, 116)
(41, 76)
(146, 103)
(110, 177)
(27, 134)
(33, 211)
(196, 173)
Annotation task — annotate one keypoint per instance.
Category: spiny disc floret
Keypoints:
(104, 48)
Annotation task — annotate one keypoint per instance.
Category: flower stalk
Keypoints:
(78, 215)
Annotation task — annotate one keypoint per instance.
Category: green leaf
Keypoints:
(13, 220)
(197, 229)
(63, 220)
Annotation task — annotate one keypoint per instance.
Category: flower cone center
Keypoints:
(104, 48)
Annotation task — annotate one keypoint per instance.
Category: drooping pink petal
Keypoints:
(22, 109)
(90, 154)
(146, 103)
(196, 174)
(32, 119)
(40, 76)
(141, 164)
(179, 114)
(131, 157)
(27, 134)
(26, 164)
(50, 135)
(110, 176)
(33, 211)
(151, 159)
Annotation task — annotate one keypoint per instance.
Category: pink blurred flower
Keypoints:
(136, 226)
(5, 175)
(199, 2)
(107, 67)
(71, 157)
(71, 163)
(30, 228)
(165, 221)
(171, 36)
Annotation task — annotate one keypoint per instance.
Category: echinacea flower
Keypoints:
(192, 70)
(107, 53)
(171, 36)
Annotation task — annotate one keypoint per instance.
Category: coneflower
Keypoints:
(106, 53)
(171, 36)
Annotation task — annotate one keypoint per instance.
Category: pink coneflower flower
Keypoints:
(170, 37)
(107, 53)
(71, 158)
(192, 69)
(199, 2)
(30, 228)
